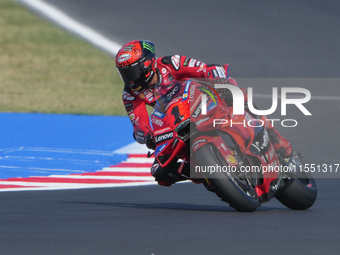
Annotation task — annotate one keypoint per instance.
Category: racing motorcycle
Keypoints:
(232, 157)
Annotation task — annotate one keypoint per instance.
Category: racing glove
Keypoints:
(150, 142)
(144, 135)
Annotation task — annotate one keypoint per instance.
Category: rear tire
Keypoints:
(300, 192)
(239, 193)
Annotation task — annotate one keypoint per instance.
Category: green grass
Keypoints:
(45, 69)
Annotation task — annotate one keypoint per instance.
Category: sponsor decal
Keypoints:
(182, 124)
(221, 72)
(199, 141)
(162, 130)
(196, 143)
(127, 96)
(158, 113)
(130, 112)
(170, 94)
(192, 62)
(170, 78)
(123, 57)
(197, 111)
(140, 133)
(187, 86)
(141, 96)
(164, 71)
(176, 61)
(149, 47)
(157, 121)
(164, 137)
(198, 63)
(128, 106)
(192, 93)
(132, 117)
(149, 96)
(140, 136)
(129, 47)
(186, 61)
(215, 74)
(201, 121)
(231, 160)
(159, 149)
(186, 90)
(211, 106)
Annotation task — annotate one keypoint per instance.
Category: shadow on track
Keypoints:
(178, 206)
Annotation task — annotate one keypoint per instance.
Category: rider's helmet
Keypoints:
(135, 62)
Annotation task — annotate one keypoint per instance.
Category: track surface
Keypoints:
(259, 39)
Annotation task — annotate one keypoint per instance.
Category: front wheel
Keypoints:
(238, 191)
(300, 192)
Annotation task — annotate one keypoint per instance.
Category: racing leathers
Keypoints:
(170, 70)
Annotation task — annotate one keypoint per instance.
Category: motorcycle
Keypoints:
(231, 155)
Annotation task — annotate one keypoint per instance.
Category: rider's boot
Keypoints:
(168, 175)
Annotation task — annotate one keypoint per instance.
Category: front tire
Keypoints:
(238, 192)
(300, 192)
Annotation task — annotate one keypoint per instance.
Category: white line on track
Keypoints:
(78, 161)
(38, 169)
(72, 25)
(101, 41)
(95, 177)
(126, 169)
(139, 160)
(38, 186)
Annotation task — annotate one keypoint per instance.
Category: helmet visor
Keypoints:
(130, 73)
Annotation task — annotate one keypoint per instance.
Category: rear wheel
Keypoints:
(235, 189)
(300, 192)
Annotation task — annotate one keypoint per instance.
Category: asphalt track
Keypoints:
(295, 39)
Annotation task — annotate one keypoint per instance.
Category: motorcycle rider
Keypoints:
(142, 72)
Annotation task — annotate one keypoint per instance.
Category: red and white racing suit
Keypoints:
(169, 70)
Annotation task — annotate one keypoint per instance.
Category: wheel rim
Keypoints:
(240, 180)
